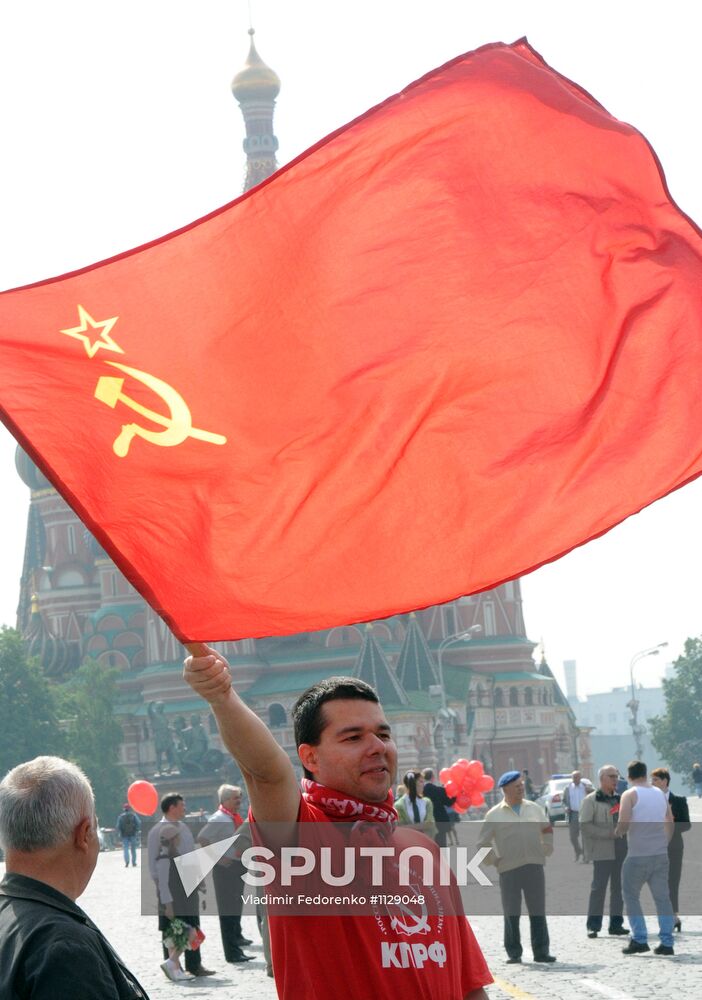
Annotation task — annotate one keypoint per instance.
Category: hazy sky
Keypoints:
(119, 126)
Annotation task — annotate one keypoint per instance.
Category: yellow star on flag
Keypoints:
(93, 344)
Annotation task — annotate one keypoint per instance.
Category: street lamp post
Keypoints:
(637, 730)
(464, 636)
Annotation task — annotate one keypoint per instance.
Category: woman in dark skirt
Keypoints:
(660, 777)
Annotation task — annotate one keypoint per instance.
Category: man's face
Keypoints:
(356, 753)
(177, 812)
(233, 802)
(608, 781)
(659, 782)
(514, 792)
(576, 777)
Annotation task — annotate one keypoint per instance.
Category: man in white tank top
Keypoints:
(645, 818)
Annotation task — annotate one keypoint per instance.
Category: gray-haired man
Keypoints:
(598, 819)
(228, 872)
(49, 947)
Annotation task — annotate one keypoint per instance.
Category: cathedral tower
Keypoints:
(256, 87)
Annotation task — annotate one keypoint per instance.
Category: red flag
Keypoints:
(450, 342)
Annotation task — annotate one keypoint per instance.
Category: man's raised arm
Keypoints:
(266, 768)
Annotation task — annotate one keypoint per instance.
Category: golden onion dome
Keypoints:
(255, 80)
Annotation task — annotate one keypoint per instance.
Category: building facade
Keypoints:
(608, 715)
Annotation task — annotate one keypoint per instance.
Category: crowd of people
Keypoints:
(632, 837)
(49, 947)
(631, 831)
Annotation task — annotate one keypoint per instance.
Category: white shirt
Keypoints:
(421, 804)
(576, 795)
(646, 836)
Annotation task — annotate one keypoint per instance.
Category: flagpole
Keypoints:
(196, 648)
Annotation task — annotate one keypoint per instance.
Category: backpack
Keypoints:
(127, 824)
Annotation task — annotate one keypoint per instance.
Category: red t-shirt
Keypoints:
(325, 957)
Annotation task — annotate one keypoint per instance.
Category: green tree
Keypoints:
(29, 724)
(677, 735)
(94, 736)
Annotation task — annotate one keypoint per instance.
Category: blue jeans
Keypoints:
(651, 871)
(129, 844)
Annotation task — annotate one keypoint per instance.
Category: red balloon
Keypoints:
(486, 783)
(475, 769)
(142, 797)
(452, 789)
(477, 799)
(468, 784)
(445, 775)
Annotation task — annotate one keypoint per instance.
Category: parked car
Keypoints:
(108, 838)
(551, 796)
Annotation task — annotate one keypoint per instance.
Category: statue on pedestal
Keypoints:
(193, 752)
(164, 744)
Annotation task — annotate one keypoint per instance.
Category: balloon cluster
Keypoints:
(465, 781)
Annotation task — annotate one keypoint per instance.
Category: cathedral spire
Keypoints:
(256, 87)
(416, 669)
(373, 668)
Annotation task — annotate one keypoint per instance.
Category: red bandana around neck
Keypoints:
(340, 807)
(373, 824)
(235, 816)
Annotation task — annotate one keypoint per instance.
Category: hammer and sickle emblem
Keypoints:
(178, 426)
(414, 923)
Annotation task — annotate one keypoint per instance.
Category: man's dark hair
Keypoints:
(428, 774)
(636, 769)
(172, 799)
(308, 719)
(661, 772)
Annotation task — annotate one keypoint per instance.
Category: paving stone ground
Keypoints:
(586, 969)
